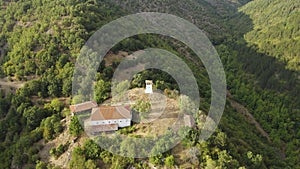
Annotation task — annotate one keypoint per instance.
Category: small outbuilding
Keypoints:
(86, 106)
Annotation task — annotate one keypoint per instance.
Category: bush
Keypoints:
(75, 127)
(58, 151)
(169, 161)
(143, 107)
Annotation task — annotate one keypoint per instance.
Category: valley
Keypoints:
(258, 44)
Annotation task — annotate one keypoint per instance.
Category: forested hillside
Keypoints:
(206, 14)
(41, 39)
(255, 79)
(276, 29)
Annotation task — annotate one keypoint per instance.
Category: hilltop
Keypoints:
(258, 46)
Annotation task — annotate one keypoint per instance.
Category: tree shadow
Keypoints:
(269, 72)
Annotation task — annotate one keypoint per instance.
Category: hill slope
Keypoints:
(37, 40)
(276, 29)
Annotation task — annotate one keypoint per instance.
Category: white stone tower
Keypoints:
(148, 86)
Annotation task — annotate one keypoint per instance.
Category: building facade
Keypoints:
(108, 115)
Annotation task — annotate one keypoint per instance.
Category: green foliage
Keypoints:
(75, 127)
(40, 165)
(4, 105)
(127, 130)
(255, 159)
(58, 34)
(59, 150)
(162, 79)
(102, 90)
(55, 106)
(142, 107)
(169, 161)
(269, 107)
(119, 90)
(156, 160)
(78, 160)
(43, 39)
(187, 106)
(91, 150)
(174, 94)
(89, 164)
(276, 29)
(77, 99)
(34, 116)
(51, 127)
(220, 139)
(85, 157)
(119, 162)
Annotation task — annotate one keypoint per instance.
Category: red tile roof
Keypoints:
(110, 113)
(83, 106)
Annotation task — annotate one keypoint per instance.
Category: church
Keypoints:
(106, 118)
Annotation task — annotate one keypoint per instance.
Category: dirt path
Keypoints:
(242, 109)
(13, 84)
(10, 86)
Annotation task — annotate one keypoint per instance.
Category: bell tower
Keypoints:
(148, 86)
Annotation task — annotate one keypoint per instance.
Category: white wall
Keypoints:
(120, 122)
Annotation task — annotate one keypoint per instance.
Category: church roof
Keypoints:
(110, 113)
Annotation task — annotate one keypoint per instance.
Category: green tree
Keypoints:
(91, 149)
(119, 90)
(75, 127)
(220, 139)
(51, 127)
(170, 161)
(256, 160)
(102, 90)
(34, 116)
(143, 107)
(156, 160)
(55, 106)
(77, 99)
(59, 150)
(40, 165)
(78, 159)
(90, 164)
(187, 106)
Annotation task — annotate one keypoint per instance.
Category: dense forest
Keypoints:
(258, 45)
(276, 30)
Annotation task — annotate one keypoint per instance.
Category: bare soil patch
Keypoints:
(63, 138)
(111, 57)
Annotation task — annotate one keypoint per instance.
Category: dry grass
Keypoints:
(63, 138)
(164, 113)
(111, 57)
